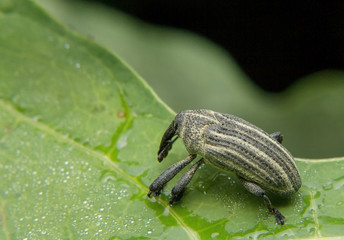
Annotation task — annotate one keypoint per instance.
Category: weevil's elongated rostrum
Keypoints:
(231, 144)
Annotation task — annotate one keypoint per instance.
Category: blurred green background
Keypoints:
(188, 71)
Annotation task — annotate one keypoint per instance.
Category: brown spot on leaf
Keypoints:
(121, 114)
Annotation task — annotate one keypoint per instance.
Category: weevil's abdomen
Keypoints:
(236, 145)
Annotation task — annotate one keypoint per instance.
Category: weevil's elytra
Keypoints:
(231, 144)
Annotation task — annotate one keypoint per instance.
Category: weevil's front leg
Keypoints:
(167, 142)
(258, 191)
(159, 183)
(179, 188)
(278, 136)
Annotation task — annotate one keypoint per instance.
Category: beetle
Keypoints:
(232, 144)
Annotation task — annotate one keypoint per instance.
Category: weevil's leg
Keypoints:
(159, 183)
(258, 191)
(166, 142)
(179, 188)
(278, 136)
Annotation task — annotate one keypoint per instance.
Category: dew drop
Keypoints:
(77, 65)
(328, 186)
(122, 141)
(108, 178)
(66, 45)
(338, 184)
(166, 211)
(214, 235)
(311, 230)
(36, 118)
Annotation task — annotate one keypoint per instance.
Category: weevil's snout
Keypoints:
(163, 152)
(167, 141)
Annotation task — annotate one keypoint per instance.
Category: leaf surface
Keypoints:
(79, 132)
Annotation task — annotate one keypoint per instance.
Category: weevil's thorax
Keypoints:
(190, 126)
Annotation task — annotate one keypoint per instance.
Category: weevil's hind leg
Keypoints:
(258, 191)
(167, 142)
(159, 183)
(278, 136)
(179, 188)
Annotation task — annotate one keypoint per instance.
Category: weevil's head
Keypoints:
(190, 125)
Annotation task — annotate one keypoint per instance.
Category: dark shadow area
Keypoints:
(275, 43)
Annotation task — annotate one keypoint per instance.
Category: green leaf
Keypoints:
(79, 132)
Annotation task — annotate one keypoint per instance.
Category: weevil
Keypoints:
(232, 144)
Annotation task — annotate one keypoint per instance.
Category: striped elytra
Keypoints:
(233, 144)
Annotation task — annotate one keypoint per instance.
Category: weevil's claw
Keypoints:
(154, 194)
(279, 217)
(278, 136)
(149, 194)
(176, 197)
